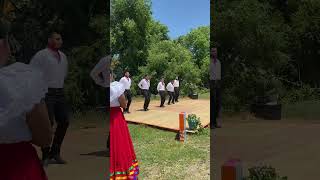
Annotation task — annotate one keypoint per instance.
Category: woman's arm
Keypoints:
(123, 101)
(39, 124)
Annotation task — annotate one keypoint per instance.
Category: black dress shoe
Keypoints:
(59, 160)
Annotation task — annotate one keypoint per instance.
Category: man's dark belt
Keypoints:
(56, 91)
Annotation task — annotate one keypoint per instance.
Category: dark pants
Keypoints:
(108, 116)
(128, 95)
(58, 111)
(146, 94)
(163, 97)
(176, 93)
(171, 97)
(215, 98)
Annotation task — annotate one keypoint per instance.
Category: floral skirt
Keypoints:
(123, 162)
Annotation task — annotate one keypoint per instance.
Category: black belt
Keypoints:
(56, 91)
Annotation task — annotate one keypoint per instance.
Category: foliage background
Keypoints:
(267, 48)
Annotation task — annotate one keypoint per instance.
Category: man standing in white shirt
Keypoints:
(126, 81)
(162, 92)
(170, 89)
(101, 75)
(54, 65)
(144, 85)
(215, 88)
(176, 85)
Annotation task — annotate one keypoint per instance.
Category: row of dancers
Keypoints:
(172, 89)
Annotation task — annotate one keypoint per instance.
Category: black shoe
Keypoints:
(128, 112)
(59, 160)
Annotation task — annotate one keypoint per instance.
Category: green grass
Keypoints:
(162, 157)
(309, 110)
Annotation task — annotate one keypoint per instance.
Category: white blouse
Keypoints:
(116, 90)
(17, 99)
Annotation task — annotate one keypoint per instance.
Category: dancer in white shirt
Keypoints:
(144, 85)
(170, 89)
(162, 92)
(54, 65)
(126, 82)
(176, 85)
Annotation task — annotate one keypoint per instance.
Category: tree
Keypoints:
(130, 21)
(198, 42)
(252, 46)
(169, 59)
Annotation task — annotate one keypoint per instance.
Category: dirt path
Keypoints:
(292, 147)
(85, 152)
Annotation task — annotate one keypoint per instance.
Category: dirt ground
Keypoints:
(290, 146)
(84, 150)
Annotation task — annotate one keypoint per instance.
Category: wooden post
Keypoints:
(232, 170)
(181, 126)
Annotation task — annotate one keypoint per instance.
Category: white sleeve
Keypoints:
(100, 67)
(37, 61)
(158, 87)
(140, 83)
(122, 81)
(116, 90)
(20, 98)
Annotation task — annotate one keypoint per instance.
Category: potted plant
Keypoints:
(193, 121)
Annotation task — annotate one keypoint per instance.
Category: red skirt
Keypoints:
(20, 161)
(123, 162)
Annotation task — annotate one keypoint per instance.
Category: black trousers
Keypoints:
(215, 98)
(163, 97)
(176, 93)
(171, 97)
(146, 94)
(58, 112)
(128, 95)
(108, 116)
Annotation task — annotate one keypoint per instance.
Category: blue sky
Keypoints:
(181, 15)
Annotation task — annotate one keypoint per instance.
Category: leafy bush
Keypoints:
(304, 93)
(264, 173)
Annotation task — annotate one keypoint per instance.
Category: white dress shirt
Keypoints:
(170, 87)
(161, 87)
(103, 67)
(176, 83)
(144, 84)
(126, 82)
(54, 71)
(215, 70)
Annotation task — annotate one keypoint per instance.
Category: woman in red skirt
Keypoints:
(23, 119)
(123, 162)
